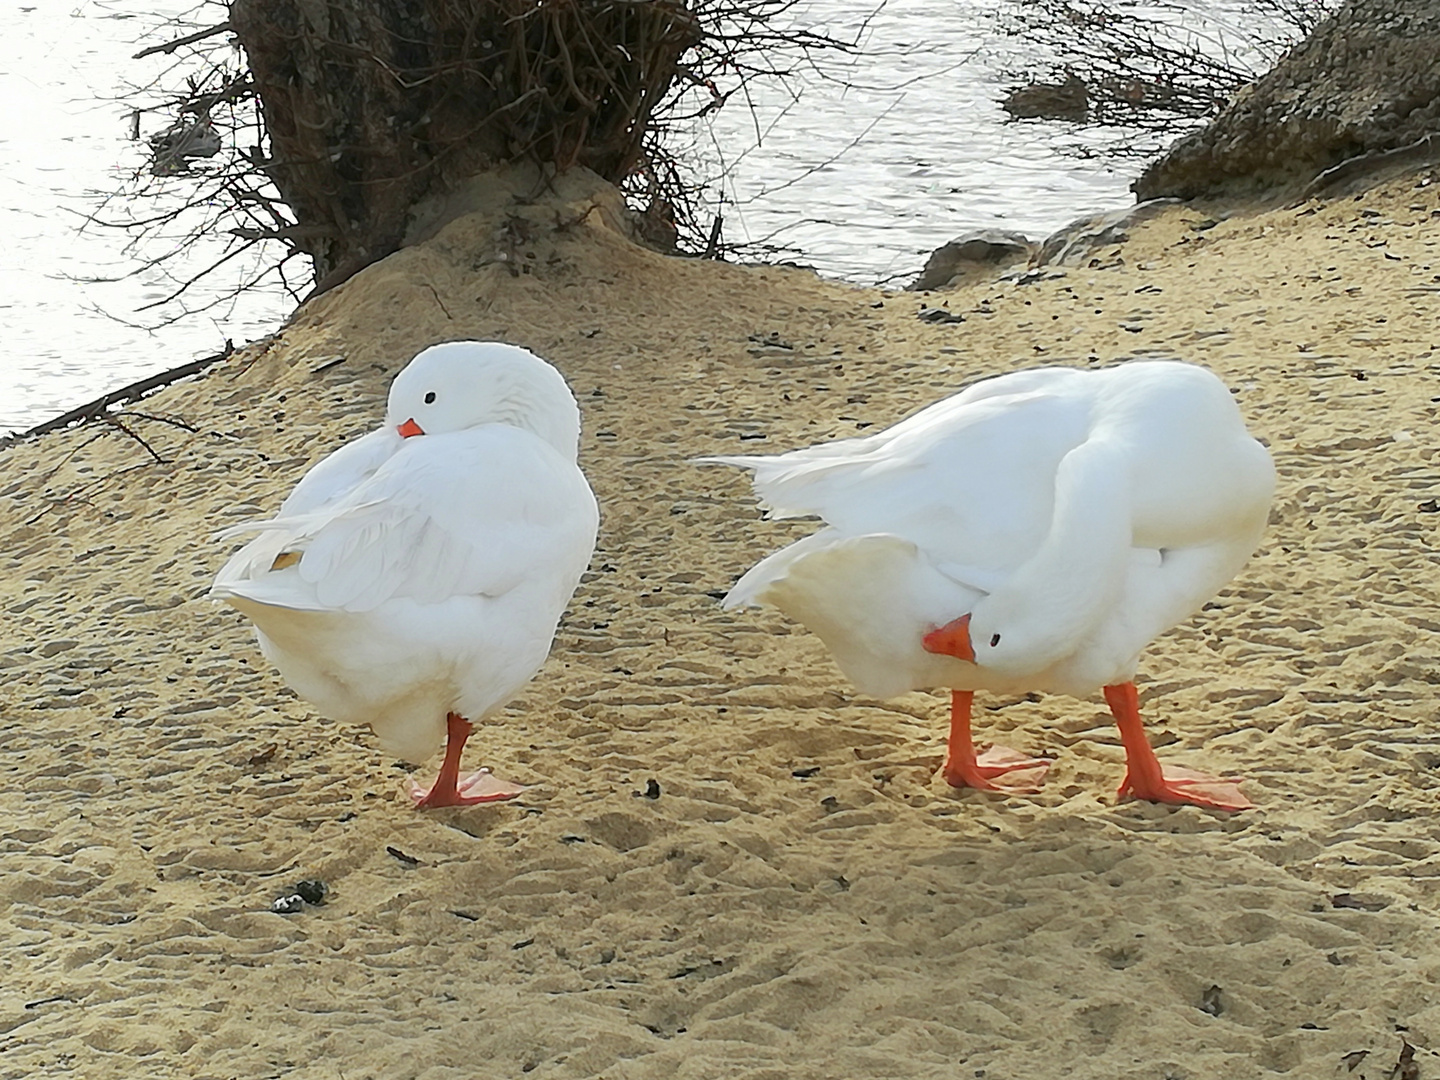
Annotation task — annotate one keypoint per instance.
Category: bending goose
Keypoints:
(1032, 533)
(413, 580)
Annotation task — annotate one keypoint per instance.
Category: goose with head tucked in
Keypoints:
(1034, 532)
(414, 579)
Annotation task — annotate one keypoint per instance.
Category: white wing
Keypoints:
(464, 514)
(969, 480)
(329, 480)
(335, 476)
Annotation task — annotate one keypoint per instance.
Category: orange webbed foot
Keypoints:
(998, 761)
(1188, 787)
(965, 768)
(482, 786)
(1146, 778)
(452, 789)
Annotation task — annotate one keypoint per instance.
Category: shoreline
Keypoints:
(757, 918)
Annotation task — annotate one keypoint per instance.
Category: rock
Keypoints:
(193, 137)
(1068, 100)
(971, 255)
(1364, 83)
(1073, 245)
(938, 315)
(312, 890)
(1372, 165)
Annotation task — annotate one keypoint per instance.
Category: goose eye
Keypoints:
(430, 398)
(994, 640)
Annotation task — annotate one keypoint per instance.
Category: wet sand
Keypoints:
(796, 894)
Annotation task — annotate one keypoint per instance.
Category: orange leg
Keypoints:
(964, 769)
(452, 789)
(1146, 778)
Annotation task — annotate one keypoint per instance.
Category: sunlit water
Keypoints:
(880, 157)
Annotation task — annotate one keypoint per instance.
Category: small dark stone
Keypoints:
(1352, 1060)
(288, 905)
(652, 788)
(1210, 1001)
(939, 315)
(312, 890)
(1360, 901)
(805, 773)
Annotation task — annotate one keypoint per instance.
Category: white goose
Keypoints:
(414, 578)
(1032, 533)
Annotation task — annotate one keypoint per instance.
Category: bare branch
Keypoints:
(133, 392)
(188, 39)
(120, 425)
(285, 232)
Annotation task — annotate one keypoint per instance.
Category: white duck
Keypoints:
(414, 578)
(1057, 519)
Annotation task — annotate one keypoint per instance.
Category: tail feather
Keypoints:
(870, 599)
(258, 573)
(245, 528)
(748, 590)
(792, 485)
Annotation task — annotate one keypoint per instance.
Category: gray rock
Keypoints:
(1364, 83)
(1074, 244)
(971, 255)
(1068, 100)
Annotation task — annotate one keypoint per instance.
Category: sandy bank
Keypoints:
(804, 898)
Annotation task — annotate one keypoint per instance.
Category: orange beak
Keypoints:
(952, 639)
(409, 428)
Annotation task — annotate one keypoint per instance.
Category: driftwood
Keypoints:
(100, 407)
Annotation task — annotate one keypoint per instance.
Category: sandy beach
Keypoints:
(730, 864)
